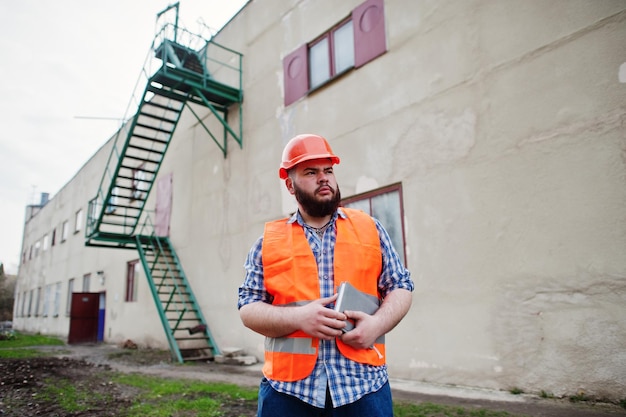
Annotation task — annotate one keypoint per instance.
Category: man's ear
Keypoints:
(289, 185)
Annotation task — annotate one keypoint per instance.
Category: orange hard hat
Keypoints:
(304, 148)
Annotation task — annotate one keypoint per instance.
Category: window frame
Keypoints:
(46, 300)
(369, 42)
(57, 299)
(332, 59)
(139, 183)
(131, 281)
(369, 196)
(86, 282)
(70, 291)
(38, 302)
(65, 230)
(78, 221)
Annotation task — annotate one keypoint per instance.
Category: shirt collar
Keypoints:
(296, 217)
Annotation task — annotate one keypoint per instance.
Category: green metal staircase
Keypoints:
(182, 71)
(189, 336)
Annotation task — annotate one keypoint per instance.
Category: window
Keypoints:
(23, 304)
(331, 55)
(64, 231)
(385, 204)
(46, 300)
(78, 221)
(30, 302)
(86, 282)
(54, 237)
(46, 240)
(132, 272)
(38, 301)
(70, 291)
(139, 184)
(352, 43)
(57, 299)
(112, 203)
(17, 304)
(37, 247)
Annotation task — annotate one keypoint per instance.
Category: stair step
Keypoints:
(144, 149)
(164, 106)
(136, 168)
(186, 339)
(156, 117)
(144, 137)
(181, 98)
(154, 128)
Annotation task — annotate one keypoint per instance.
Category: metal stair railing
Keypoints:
(180, 301)
(191, 72)
(221, 76)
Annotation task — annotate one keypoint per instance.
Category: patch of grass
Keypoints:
(23, 340)
(20, 353)
(545, 394)
(161, 397)
(516, 391)
(402, 409)
(167, 397)
(581, 396)
(72, 398)
(159, 387)
(15, 348)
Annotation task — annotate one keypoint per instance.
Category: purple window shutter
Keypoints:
(296, 74)
(370, 41)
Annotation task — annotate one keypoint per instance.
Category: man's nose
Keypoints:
(322, 177)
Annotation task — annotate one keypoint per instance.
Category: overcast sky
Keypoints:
(66, 68)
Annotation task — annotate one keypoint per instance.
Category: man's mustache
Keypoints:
(317, 190)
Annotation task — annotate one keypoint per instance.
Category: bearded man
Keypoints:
(313, 367)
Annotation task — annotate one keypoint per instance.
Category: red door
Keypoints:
(84, 318)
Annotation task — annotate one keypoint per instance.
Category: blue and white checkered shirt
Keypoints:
(347, 380)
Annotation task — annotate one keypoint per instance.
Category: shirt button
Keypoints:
(325, 276)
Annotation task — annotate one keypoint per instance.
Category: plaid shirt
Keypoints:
(347, 380)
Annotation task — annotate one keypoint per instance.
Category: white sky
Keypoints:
(62, 62)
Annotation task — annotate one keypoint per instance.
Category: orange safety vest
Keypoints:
(291, 278)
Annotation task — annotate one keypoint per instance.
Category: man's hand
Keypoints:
(369, 328)
(366, 330)
(313, 318)
(320, 321)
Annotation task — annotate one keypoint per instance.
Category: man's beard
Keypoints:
(315, 208)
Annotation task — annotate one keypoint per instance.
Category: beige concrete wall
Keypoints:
(71, 259)
(504, 122)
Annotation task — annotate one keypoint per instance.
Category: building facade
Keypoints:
(488, 136)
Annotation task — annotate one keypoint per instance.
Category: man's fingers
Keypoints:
(326, 300)
(355, 315)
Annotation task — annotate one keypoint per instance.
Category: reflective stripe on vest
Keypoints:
(291, 276)
(301, 345)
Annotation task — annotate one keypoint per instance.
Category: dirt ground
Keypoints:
(86, 366)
